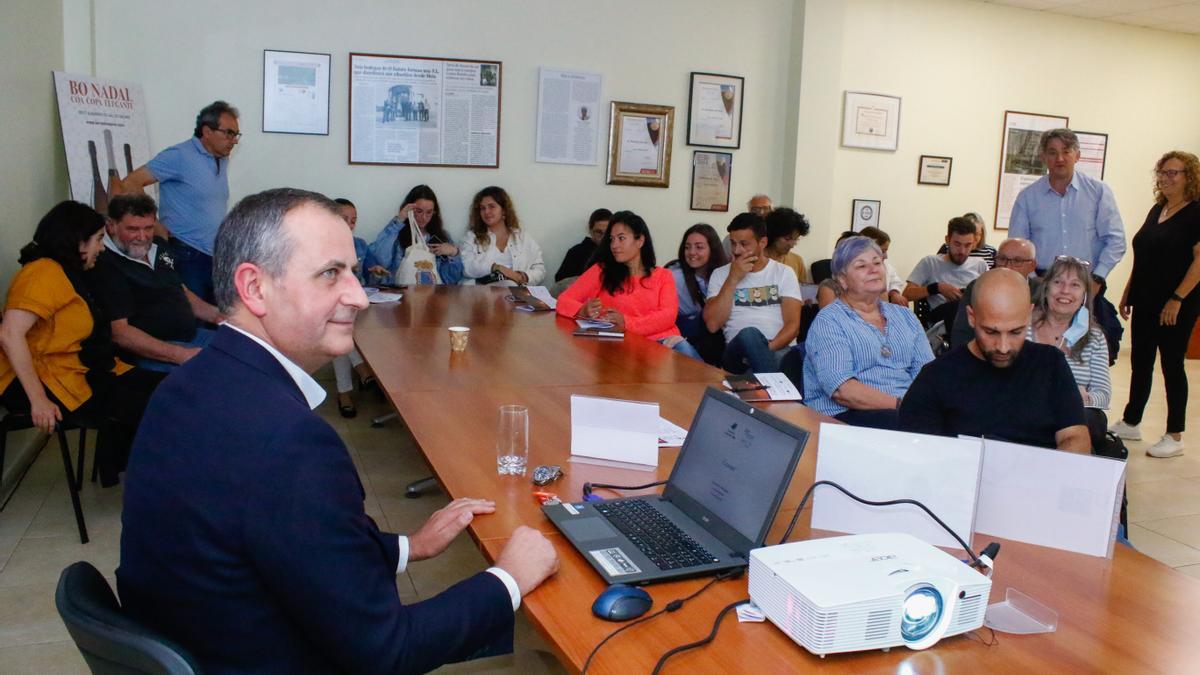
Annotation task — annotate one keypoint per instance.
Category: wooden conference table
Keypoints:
(1128, 614)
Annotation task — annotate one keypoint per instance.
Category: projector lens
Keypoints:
(922, 609)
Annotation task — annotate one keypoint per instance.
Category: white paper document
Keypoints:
(568, 122)
(587, 324)
(1050, 498)
(542, 293)
(377, 297)
(670, 435)
(613, 432)
(941, 473)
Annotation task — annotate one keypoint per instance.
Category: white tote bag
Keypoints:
(419, 266)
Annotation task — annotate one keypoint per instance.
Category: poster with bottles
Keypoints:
(104, 133)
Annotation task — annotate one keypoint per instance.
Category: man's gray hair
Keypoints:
(850, 248)
(1068, 138)
(758, 196)
(253, 233)
(210, 116)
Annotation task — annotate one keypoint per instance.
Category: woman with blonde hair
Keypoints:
(496, 249)
(1162, 299)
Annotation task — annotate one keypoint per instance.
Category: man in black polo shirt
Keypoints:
(998, 385)
(155, 318)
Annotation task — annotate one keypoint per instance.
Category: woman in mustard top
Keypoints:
(57, 351)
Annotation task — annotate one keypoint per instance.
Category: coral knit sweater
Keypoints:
(649, 303)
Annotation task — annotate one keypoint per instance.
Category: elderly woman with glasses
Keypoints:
(862, 352)
(1062, 318)
(1162, 298)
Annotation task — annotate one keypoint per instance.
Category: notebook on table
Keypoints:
(719, 502)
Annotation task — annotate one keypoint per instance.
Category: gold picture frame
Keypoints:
(639, 144)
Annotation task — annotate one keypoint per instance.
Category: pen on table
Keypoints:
(759, 387)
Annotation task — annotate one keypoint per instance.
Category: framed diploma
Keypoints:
(715, 110)
(871, 121)
(1093, 149)
(1020, 162)
(711, 173)
(934, 170)
(639, 144)
(295, 93)
(864, 213)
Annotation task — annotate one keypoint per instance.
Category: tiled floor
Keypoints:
(38, 537)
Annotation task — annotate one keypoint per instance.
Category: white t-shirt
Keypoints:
(758, 298)
(938, 268)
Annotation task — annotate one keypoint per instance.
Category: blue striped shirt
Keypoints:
(841, 346)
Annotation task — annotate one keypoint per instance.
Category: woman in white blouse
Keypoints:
(496, 249)
(1062, 318)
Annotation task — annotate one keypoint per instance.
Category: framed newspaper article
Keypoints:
(423, 111)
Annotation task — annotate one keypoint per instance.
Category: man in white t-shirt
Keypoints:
(755, 301)
(941, 278)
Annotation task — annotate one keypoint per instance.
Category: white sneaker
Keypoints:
(1166, 447)
(1129, 432)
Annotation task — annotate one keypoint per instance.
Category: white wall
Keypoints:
(186, 55)
(958, 66)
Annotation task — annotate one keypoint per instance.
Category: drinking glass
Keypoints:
(512, 440)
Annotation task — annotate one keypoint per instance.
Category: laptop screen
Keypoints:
(735, 465)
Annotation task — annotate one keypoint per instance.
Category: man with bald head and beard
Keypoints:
(998, 385)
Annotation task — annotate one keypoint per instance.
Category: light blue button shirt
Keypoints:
(841, 345)
(1083, 223)
(193, 192)
(688, 307)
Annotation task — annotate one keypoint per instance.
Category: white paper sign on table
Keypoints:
(613, 432)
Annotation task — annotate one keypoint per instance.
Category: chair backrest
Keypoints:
(112, 642)
(821, 270)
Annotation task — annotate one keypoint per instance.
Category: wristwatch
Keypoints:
(932, 289)
(1176, 298)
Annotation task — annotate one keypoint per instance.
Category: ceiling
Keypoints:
(1174, 15)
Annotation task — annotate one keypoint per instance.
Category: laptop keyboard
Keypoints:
(661, 540)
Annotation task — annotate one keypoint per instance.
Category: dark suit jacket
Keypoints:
(245, 538)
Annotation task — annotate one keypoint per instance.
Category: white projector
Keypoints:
(867, 591)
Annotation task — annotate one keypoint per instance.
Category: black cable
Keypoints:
(587, 487)
(891, 502)
(671, 606)
(698, 643)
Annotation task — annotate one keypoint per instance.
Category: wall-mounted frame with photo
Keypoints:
(715, 110)
(934, 170)
(1093, 150)
(871, 121)
(295, 93)
(1020, 162)
(864, 213)
(639, 144)
(712, 173)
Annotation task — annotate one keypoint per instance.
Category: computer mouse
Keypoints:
(620, 602)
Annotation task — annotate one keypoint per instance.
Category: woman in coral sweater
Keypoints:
(627, 288)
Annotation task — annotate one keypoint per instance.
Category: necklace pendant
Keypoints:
(885, 352)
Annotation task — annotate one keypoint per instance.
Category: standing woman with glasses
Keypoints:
(1161, 295)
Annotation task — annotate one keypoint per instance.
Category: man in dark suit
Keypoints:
(244, 534)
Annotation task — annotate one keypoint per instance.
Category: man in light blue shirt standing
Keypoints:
(194, 192)
(1068, 213)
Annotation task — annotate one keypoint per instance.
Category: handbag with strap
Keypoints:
(419, 266)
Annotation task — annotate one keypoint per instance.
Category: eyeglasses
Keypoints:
(1071, 258)
(229, 133)
(1169, 173)
(1005, 261)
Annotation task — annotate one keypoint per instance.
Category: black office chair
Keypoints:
(111, 642)
(16, 421)
(821, 270)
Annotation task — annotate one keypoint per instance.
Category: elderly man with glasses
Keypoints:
(1018, 255)
(194, 192)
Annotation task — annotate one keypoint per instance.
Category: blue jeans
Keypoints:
(194, 268)
(203, 337)
(684, 347)
(750, 351)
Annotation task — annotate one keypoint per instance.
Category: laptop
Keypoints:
(719, 502)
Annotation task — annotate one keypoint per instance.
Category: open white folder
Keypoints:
(1050, 498)
(941, 473)
(612, 432)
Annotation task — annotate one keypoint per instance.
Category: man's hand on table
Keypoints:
(444, 525)
(529, 558)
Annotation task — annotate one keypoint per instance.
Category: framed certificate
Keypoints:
(864, 213)
(934, 170)
(639, 144)
(711, 174)
(715, 110)
(295, 93)
(871, 121)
